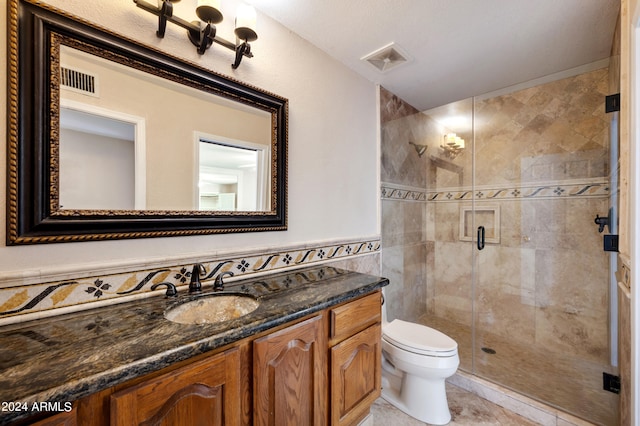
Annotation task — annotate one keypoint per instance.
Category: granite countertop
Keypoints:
(64, 358)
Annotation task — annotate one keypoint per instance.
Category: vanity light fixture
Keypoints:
(203, 33)
(453, 145)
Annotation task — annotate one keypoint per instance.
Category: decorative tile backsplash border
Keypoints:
(94, 291)
(588, 188)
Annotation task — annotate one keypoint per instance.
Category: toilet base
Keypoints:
(425, 400)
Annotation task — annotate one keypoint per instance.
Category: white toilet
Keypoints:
(416, 360)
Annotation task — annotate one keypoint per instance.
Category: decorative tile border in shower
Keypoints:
(573, 189)
(25, 302)
(398, 192)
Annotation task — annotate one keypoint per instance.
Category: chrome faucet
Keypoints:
(218, 284)
(194, 284)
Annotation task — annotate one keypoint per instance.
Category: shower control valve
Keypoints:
(602, 222)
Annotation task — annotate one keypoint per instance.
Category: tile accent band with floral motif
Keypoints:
(588, 188)
(42, 297)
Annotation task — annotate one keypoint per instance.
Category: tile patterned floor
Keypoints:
(466, 409)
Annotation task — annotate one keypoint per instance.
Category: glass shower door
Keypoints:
(449, 224)
(541, 293)
(516, 271)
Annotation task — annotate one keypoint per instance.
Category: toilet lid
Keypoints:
(419, 338)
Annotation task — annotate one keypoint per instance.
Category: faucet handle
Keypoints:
(218, 284)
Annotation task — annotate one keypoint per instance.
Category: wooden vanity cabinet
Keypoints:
(322, 370)
(290, 375)
(204, 393)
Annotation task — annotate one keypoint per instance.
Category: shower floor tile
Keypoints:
(567, 383)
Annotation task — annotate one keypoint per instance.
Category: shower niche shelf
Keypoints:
(487, 216)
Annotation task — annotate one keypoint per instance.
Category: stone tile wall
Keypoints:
(403, 237)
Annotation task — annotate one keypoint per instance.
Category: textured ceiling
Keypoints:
(457, 48)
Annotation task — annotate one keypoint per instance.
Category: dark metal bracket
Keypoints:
(611, 242)
(611, 383)
(612, 103)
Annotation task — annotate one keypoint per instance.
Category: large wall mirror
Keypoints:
(111, 139)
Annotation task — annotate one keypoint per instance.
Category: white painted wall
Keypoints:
(333, 155)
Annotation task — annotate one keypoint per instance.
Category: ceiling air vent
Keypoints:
(79, 81)
(387, 58)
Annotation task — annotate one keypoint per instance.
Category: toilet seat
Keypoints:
(419, 339)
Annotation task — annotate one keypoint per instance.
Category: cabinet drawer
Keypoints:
(354, 316)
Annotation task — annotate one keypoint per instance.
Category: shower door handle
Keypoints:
(480, 240)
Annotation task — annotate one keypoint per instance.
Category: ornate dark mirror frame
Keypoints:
(36, 32)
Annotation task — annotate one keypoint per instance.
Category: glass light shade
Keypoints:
(209, 11)
(246, 23)
(450, 139)
(459, 142)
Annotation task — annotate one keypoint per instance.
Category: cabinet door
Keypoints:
(290, 376)
(60, 419)
(355, 376)
(204, 393)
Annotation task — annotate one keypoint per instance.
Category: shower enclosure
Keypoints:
(490, 238)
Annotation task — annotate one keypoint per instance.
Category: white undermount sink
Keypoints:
(213, 309)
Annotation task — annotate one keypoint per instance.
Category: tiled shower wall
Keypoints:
(541, 160)
(403, 236)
